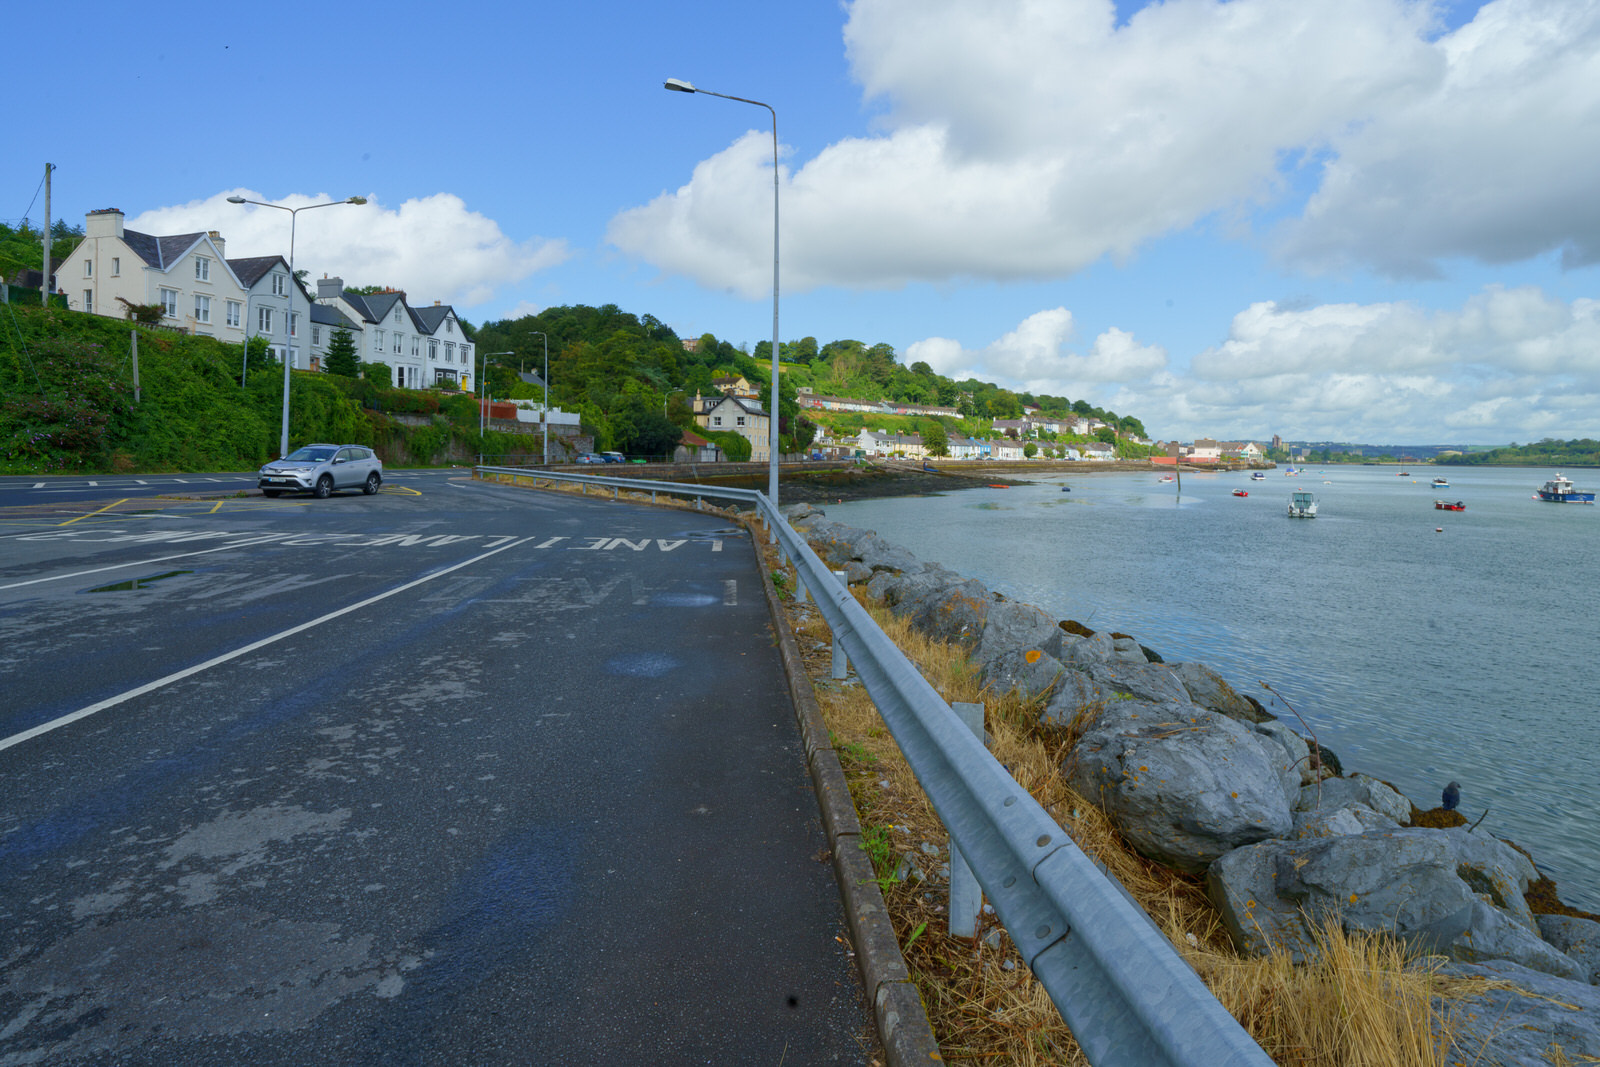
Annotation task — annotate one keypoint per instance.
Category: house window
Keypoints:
(264, 320)
(294, 324)
(233, 312)
(280, 287)
(739, 421)
(294, 357)
(433, 349)
(716, 420)
(397, 313)
(316, 335)
(397, 341)
(449, 352)
(449, 326)
(88, 268)
(416, 346)
(169, 303)
(466, 354)
(88, 301)
(202, 308)
(202, 269)
(116, 266)
(377, 340)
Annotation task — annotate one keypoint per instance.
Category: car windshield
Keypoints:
(311, 454)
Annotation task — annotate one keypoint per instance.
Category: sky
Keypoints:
(1352, 220)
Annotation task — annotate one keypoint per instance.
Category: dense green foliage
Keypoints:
(1582, 452)
(22, 247)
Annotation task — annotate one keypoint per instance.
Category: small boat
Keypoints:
(1258, 477)
(1445, 505)
(1441, 483)
(1066, 488)
(997, 485)
(1240, 492)
(1403, 474)
(1302, 505)
(1166, 478)
(1559, 490)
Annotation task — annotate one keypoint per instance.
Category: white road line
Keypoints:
(177, 676)
(38, 485)
(140, 563)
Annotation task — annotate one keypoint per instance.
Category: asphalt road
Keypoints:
(453, 774)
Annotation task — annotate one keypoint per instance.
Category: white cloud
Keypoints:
(1506, 364)
(1496, 159)
(1031, 357)
(432, 247)
(1026, 139)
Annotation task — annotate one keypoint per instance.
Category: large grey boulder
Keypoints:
(1356, 790)
(1074, 692)
(954, 612)
(1183, 784)
(1526, 1025)
(1141, 680)
(1012, 626)
(1296, 753)
(1210, 690)
(880, 555)
(1029, 671)
(1075, 650)
(1447, 891)
(1578, 938)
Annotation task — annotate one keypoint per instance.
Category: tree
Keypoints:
(1106, 434)
(1030, 450)
(342, 358)
(935, 438)
(378, 372)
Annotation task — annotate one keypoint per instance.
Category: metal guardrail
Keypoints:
(1128, 996)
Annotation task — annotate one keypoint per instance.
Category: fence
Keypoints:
(1129, 998)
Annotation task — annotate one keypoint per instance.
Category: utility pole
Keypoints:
(44, 281)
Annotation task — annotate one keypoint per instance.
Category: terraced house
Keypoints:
(423, 346)
(197, 287)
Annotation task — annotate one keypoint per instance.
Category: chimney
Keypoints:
(106, 222)
(436, 303)
(216, 239)
(329, 288)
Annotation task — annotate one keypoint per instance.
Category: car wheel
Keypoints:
(372, 483)
(324, 487)
(269, 492)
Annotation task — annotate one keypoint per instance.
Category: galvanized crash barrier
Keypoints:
(1128, 996)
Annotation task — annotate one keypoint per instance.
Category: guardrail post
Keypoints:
(966, 896)
(841, 662)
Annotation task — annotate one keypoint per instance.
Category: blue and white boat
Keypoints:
(1559, 490)
(1302, 505)
(1258, 477)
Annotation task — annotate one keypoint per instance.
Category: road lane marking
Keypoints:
(139, 563)
(178, 676)
(97, 511)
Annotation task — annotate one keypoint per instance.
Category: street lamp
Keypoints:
(544, 417)
(483, 394)
(679, 86)
(283, 444)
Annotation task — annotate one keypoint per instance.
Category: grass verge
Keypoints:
(1363, 999)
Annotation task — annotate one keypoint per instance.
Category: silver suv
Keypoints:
(320, 469)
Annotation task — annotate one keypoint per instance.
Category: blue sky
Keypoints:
(1370, 220)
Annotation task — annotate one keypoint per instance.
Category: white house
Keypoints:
(198, 288)
(423, 346)
(1007, 449)
(909, 445)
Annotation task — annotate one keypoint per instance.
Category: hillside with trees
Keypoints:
(67, 399)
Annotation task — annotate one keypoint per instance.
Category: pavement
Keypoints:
(453, 774)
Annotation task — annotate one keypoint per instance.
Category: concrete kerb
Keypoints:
(903, 1024)
(902, 1019)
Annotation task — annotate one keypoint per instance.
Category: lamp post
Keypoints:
(544, 416)
(679, 86)
(483, 394)
(283, 443)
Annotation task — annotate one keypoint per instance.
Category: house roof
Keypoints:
(160, 252)
(253, 269)
(430, 318)
(745, 404)
(332, 316)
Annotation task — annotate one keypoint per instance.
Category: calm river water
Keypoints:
(1419, 656)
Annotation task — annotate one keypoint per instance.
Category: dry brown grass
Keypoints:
(1357, 1003)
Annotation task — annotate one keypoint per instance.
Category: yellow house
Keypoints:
(744, 417)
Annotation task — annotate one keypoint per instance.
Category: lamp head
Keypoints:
(678, 85)
(237, 200)
(356, 200)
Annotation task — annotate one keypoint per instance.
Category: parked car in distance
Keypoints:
(613, 457)
(320, 469)
(587, 457)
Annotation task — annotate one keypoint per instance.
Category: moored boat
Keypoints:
(1302, 505)
(1240, 492)
(1441, 483)
(1559, 490)
(1258, 477)
(1445, 505)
